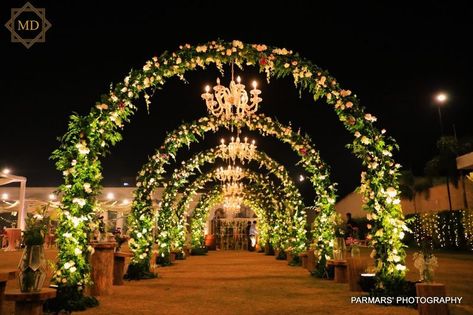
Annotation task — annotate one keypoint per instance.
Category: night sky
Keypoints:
(393, 57)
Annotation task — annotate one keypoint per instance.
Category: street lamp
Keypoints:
(440, 99)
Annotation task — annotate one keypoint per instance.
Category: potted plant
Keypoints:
(33, 263)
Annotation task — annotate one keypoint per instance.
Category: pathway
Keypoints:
(229, 282)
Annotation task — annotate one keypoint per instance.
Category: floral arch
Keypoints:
(89, 138)
(295, 220)
(167, 220)
(253, 197)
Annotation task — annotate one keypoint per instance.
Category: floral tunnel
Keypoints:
(280, 202)
(253, 197)
(89, 138)
(151, 176)
(267, 190)
(166, 219)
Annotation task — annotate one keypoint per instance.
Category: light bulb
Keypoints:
(238, 79)
(110, 196)
(4, 196)
(52, 197)
(6, 171)
(254, 84)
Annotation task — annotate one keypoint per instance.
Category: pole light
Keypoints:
(440, 99)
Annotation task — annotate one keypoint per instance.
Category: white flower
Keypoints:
(73, 269)
(77, 251)
(391, 192)
(80, 201)
(82, 148)
(87, 188)
(357, 134)
(365, 140)
(67, 235)
(401, 235)
(370, 117)
(38, 216)
(400, 267)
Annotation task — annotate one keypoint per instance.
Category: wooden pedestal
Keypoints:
(289, 256)
(311, 262)
(5, 275)
(356, 266)
(102, 268)
(119, 267)
(304, 258)
(341, 272)
(30, 303)
(431, 289)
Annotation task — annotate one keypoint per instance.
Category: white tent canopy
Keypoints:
(5, 179)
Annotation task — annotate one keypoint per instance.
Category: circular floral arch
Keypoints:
(89, 138)
(151, 176)
(294, 220)
(260, 200)
(168, 221)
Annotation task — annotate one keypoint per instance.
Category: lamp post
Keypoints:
(440, 100)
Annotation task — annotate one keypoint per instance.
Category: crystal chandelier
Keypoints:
(231, 103)
(230, 174)
(233, 189)
(238, 150)
(232, 204)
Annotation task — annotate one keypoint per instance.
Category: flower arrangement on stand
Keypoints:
(425, 261)
(33, 263)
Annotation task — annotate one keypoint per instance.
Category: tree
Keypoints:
(410, 186)
(444, 164)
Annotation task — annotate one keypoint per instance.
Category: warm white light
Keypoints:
(301, 178)
(6, 171)
(110, 196)
(126, 184)
(254, 84)
(125, 201)
(4, 196)
(243, 151)
(231, 103)
(207, 88)
(52, 197)
(441, 97)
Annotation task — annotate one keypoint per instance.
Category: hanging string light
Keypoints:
(236, 149)
(231, 173)
(232, 103)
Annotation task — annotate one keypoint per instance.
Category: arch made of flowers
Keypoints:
(254, 198)
(89, 138)
(267, 189)
(169, 228)
(151, 177)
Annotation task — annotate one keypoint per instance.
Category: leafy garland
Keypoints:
(90, 137)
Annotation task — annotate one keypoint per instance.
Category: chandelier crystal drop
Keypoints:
(232, 103)
(230, 174)
(237, 149)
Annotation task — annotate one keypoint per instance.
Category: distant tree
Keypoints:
(444, 164)
(410, 186)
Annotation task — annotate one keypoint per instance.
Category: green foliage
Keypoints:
(90, 137)
(36, 227)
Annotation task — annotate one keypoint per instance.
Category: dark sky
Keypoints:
(395, 57)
